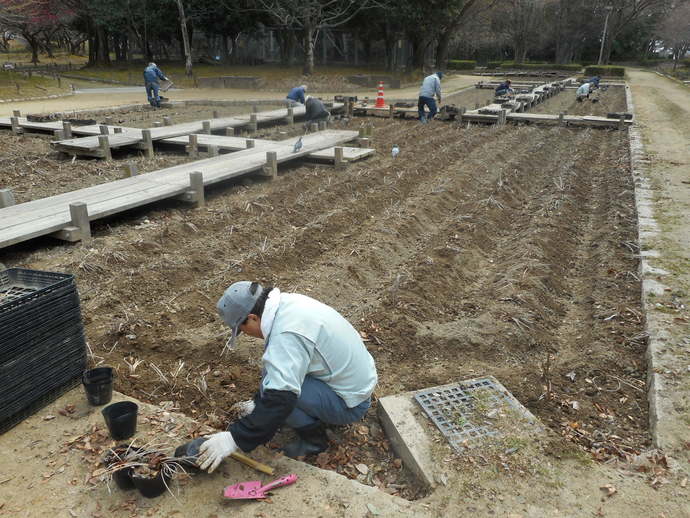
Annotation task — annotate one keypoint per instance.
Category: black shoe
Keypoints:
(310, 440)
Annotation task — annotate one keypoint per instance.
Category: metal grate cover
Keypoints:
(453, 408)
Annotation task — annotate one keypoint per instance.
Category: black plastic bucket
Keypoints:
(122, 477)
(121, 419)
(187, 453)
(98, 384)
(151, 487)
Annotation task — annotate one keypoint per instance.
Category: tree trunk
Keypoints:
(308, 43)
(103, 51)
(185, 40)
(442, 48)
(33, 43)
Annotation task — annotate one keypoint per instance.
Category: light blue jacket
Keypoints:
(583, 90)
(310, 338)
(430, 86)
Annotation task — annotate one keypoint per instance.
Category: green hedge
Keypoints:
(605, 71)
(493, 64)
(461, 64)
(541, 66)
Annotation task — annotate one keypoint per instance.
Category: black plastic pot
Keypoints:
(151, 487)
(190, 449)
(122, 477)
(121, 419)
(98, 384)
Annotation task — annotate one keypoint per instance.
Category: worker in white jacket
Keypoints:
(583, 92)
(316, 371)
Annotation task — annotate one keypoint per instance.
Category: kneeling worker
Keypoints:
(316, 371)
(315, 111)
(582, 92)
(504, 89)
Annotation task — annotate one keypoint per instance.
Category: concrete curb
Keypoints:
(647, 231)
(43, 98)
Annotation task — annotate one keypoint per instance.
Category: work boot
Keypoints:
(310, 440)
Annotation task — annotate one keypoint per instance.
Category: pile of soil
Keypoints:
(505, 251)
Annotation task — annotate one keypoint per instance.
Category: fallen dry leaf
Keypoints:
(48, 417)
(684, 482)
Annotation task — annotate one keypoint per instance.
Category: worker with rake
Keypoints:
(316, 371)
(151, 76)
(431, 86)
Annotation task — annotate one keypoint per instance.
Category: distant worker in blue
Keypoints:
(594, 82)
(151, 76)
(431, 86)
(296, 96)
(504, 89)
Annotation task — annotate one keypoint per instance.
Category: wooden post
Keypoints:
(621, 121)
(339, 162)
(253, 122)
(79, 213)
(67, 129)
(206, 127)
(250, 143)
(16, 129)
(271, 167)
(230, 132)
(255, 108)
(561, 119)
(109, 121)
(216, 114)
(212, 150)
(167, 121)
(290, 119)
(193, 147)
(117, 130)
(350, 109)
(6, 198)
(105, 147)
(58, 135)
(129, 170)
(148, 142)
(362, 133)
(322, 125)
(103, 129)
(313, 127)
(157, 124)
(16, 113)
(391, 111)
(196, 182)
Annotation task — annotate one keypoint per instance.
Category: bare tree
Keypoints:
(520, 22)
(675, 32)
(185, 40)
(311, 16)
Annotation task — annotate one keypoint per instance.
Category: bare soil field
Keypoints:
(507, 251)
(609, 100)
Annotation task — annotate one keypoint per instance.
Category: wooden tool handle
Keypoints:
(258, 466)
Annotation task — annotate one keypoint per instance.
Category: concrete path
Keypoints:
(105, 97)
(662, 164)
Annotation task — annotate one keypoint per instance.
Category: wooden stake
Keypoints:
(193, 147)
(250, 143)
(216, 114)
(58, 135)
(290, 119)
(255, 108)
(67, 128)
(258, 466)
(322, 125)
(16, 129)
(118, 130)
(253, 122)
(80, 218)
(167, 121)
(148, 142)
(212, 150)
(561, 119)
(103, 129)
(16, 113)
(391, 111)
(339, 162)
(109, 121)
(313, 127)
(105, 147)
(206, 125)
(157, 124)
(196, 182)
(129, 170)
(271, 167)
(6, 198)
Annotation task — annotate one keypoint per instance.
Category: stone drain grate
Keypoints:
(453, 408)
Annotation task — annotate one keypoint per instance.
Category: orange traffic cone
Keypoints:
(380, 101)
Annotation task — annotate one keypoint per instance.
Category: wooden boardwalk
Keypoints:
(53, 215)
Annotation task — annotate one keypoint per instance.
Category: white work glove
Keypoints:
(213, 451)
(243, 408)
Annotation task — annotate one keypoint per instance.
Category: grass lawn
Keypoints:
(15, 85)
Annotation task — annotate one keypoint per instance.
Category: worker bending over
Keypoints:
(296, 96)
(315, 111)
(582, 93)
(431, 86)
(316, 371)
(151, 76)
(504, 89)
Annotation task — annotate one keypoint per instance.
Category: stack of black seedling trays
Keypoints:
(42, 346)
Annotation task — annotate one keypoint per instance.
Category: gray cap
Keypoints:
(235, 305)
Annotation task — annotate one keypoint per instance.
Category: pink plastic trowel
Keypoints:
(254, 490)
